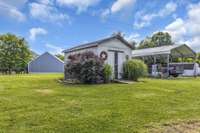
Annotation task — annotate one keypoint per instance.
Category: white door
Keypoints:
(110, 61)
(121, 60)
(116, 60)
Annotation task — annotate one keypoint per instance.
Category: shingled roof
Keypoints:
(99, 42)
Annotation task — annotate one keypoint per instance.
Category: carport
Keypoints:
(166, 53)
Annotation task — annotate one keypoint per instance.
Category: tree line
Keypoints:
(158, 39)
(14, 54)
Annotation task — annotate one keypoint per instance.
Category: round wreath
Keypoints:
(103, 55)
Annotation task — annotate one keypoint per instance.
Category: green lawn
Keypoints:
(39, 104)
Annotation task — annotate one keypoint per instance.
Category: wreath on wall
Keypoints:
(103, 55)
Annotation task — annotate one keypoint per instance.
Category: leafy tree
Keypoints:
(198, 58)
(146, 43)
(133, 43)
(34, 55)
(60, 57)
(14, 53)
(188, 59)
(158, 39)
(161, 39)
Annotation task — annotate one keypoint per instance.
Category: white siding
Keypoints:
(94, 50)
(113, 45)
(116, 45)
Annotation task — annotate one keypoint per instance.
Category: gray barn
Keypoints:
(46, 63)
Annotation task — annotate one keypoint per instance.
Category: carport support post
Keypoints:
(154, 59)
(195, 71)
(168, 64)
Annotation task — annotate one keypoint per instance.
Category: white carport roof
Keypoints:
(173, 50)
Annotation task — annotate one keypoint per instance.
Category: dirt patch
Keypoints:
(180, 127)
(45, 91)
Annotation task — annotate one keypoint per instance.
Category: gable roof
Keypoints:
(97, 43)
(183, 50)
(47, 53)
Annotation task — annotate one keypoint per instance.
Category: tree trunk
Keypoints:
(9, 71)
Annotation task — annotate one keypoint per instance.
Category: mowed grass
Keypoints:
(39, 104)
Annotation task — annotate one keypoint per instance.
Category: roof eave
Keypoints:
(74, 50)
(96, 43)
(124, 41)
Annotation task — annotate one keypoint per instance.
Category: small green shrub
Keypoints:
(134, 69)
(107, 72)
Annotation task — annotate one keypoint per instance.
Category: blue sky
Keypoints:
(54, 25)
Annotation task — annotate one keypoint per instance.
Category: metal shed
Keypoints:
(46, 63)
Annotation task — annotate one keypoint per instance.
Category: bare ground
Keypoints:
(180, 127)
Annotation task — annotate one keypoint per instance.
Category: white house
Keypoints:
(46, 63)
(115, 50)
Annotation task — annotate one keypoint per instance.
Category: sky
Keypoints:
(55, 25)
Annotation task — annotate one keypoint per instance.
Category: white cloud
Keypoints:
(187, 30)
(34, 32)
(47, 2)
(194, 19)
(169, 8)
(45, 12)
(194, 43)
(14, 13)
(143, 20)
(121, 4)
(176, 29)
(117, 6)
(54, 49)
(133, 37)
(81, 5)
(104, 14)
(11, 9)
(14, 3)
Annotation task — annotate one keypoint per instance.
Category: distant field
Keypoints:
(39, 104)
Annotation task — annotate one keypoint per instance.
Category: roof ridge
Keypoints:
(158, 47)
(48, 54)
(95, 43)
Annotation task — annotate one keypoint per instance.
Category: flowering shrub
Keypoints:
(85, 67)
